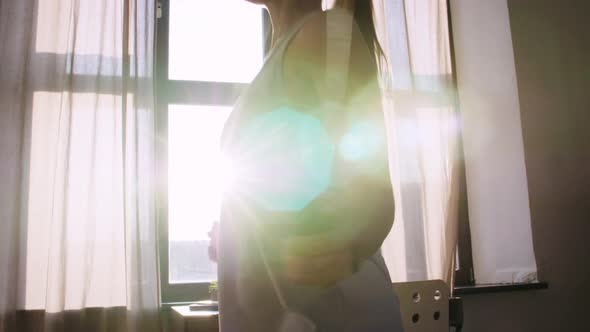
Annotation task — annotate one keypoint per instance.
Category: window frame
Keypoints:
(189, 93)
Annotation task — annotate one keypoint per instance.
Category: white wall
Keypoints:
(496, 176)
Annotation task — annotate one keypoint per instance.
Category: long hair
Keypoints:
(363, 15)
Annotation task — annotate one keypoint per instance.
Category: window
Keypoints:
(207, 52)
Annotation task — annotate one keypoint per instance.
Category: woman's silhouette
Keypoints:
(302, 225)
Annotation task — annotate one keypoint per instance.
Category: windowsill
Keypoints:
(459, 291)
(499, 288)
(169, 305)
(183, 319)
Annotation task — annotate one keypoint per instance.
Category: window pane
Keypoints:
(215, 40)
(195, 179)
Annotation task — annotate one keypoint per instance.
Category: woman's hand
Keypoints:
(213, 235)
(320, 260)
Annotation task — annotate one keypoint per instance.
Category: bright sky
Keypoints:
(215, 40)
(196, 170)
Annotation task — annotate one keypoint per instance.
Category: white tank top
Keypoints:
(247, 274)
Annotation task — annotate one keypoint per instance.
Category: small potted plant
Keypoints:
(213, 234)
(213, 291)
(207, 305)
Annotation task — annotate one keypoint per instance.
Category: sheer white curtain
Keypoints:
(424, 131)
(77, 198)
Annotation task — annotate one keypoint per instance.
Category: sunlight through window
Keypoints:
(215, 40)
(196, 174)
(211, 41)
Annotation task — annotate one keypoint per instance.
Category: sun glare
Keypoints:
(209, 41)
(197, 170)
(226, 174)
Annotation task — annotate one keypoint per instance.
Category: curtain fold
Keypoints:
(77, 122)
(423, 127)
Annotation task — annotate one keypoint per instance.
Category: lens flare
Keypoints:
(285, 159)
(227, 173)
(362, 141)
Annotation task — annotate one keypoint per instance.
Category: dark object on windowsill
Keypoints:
(498, 288)
(456, 313)
(184, 320)
(204, 306)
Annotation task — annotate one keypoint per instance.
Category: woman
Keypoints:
(312, 202)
